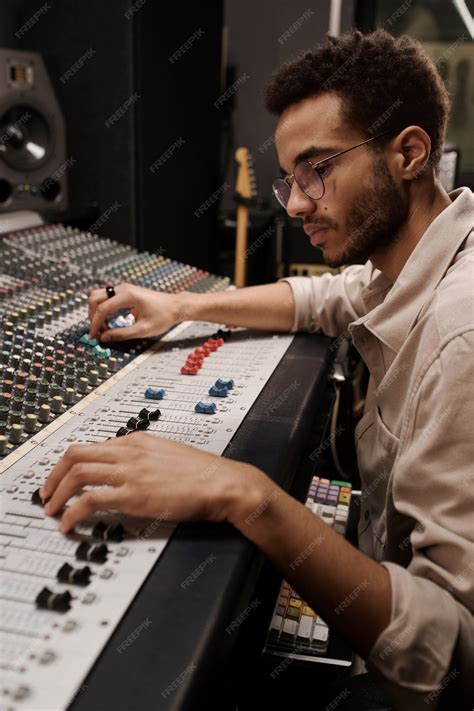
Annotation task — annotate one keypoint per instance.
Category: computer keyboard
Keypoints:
(296, 629)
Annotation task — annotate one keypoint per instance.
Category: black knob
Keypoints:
(74, 576)
(143, 424)
(93, 553)
(132, 423)
(155, 415)
(121, 432)
(36, 499)
(115, 532)
(59, 602)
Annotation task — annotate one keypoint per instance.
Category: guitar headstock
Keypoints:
(246, 185)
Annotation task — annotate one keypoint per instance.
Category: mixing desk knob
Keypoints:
(103, 370)
(218, 392)
(155, 393)
(69, 396)
(206, 408)
(30, 408)
(74, 576)
(115, 532)
(36, 499)
(93, 553)
(30, 422)
(15, 434)
(59, 602)
(56, 404)
(83, 385)
(44, 413)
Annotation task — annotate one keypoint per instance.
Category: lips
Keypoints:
(316, 235)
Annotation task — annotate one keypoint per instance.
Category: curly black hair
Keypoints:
(385, 83)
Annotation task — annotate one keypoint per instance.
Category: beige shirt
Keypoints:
(415, 446)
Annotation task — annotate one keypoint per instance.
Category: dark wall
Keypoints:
(257, 46)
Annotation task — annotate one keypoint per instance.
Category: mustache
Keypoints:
(321, 222)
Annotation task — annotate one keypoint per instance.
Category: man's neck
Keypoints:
(425, 206)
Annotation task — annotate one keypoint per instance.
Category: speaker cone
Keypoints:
(25, 138)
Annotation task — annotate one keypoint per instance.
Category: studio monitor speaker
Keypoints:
(33, 164)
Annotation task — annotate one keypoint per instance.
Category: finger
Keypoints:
(122, 299)
(96, 296)
(104, 452)
(127, 333)
(80, 475)
(88, 503)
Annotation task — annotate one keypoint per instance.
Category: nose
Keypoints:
(299, 204)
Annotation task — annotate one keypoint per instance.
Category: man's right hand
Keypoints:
(155, 312)
(268, 307)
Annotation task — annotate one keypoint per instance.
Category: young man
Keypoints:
(380, 105)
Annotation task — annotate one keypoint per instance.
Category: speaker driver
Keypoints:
(25, 138)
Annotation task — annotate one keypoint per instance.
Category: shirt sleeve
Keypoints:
(331, 301)
(427, 650)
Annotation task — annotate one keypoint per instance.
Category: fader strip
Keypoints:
(52, 631)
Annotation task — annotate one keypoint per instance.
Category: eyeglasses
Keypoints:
(309, 176)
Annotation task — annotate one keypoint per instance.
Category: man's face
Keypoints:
(362, 207)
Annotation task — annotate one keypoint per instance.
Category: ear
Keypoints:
(411, 151)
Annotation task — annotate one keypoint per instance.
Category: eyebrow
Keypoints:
(312, 152)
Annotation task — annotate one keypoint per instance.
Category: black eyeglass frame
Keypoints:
(315, 167)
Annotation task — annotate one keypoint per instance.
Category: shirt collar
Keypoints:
(392, 320)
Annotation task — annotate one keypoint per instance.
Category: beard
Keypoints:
(374, 219)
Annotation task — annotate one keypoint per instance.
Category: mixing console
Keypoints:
(61, 597)
(47, 363)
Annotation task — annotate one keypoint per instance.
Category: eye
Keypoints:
(325, 170)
